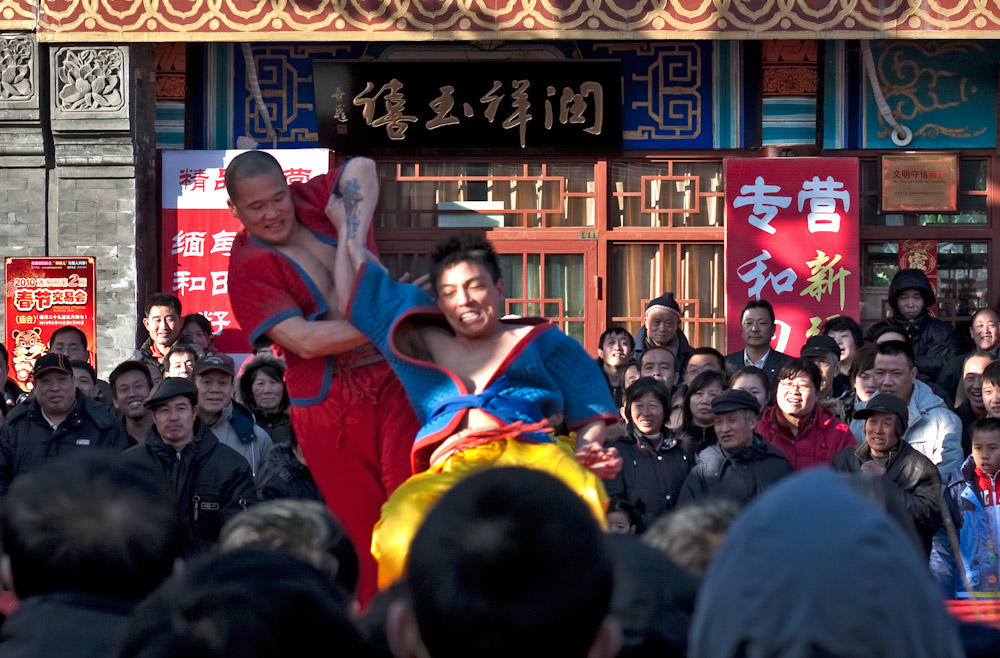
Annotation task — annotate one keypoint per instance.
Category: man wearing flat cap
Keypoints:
(211, 481)
(836, 391)
(59, 419)
(741, 465)
(661, 328)
(883, 454)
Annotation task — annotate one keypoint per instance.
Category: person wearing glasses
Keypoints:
(807, 433)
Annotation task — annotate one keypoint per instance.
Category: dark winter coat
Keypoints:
(916, 476)
(934, 342)
(27, 439)
(283, 476)
(211, 482)
(684, 348)
(651, 478)
(740, 475)
(64, 624)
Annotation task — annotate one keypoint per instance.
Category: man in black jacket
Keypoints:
(883, 454)
(741, 465)
(211, 482)
(59, 419)
(934, 342)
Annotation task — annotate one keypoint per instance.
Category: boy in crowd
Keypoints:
(613, 356)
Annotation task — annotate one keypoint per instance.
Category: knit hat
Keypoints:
(667, 301)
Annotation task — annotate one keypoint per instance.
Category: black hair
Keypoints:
(90, 522)
(250, 165)
(247, 603)
(481, 577)
(464, 248)
(988, 424)
(702, 381)
(753, 371)
(991, 374)
(616, 330)
(711, 351)
(83, 365)
(644, 386)
(798, 367)
(129, 366)
(890, 329)
(844, 323)
(271, 366)
(626, 508)
(199, 320)
(180, 348)
(895, 348)
(758, 303)
(5, 355)
(69, 329)
(162, 299)
(864, 360)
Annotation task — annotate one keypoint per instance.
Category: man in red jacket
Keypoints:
(806, 432)
(349, 412)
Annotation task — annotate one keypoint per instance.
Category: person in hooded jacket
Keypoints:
(654, 463)
(934, 341)
(263, 391)
(741, 464)
(211, 482)
(853, 587)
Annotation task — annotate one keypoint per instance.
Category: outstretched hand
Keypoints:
(603, 462)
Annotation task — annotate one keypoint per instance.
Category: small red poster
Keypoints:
(921, 255)
(41, 295)
(198, 231)
(792, 239)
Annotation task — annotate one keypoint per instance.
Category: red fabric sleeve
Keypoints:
(258, 289)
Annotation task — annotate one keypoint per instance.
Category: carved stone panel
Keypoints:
(90, 82)
(18, 71)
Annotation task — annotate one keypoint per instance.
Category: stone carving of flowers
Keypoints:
(91, 80)
(15, 73)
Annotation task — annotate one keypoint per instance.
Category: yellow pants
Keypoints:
(406, 508)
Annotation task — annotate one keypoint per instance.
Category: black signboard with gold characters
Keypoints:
(447, 107)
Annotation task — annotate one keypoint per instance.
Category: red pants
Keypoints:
(357, 444)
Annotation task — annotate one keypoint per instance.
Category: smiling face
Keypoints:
(163, 324)
(648, 414)
(55, 392)
(215, 391)
(616, 350)
(972, 380)
(470, 300)
(131, 388)
(263, 204)
(985, 330)
(796, 396)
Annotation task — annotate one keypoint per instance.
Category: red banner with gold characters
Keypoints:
(792, 239)
(921, 255)
(41, 295)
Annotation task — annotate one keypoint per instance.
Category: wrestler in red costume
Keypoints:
(349, 412)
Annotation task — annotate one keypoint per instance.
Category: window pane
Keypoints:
(661, 194)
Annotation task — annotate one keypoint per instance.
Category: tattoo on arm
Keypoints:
(352, 200)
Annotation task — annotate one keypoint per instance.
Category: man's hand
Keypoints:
(336, 213)
(872, 467)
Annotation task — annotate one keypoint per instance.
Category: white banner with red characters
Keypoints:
(198, 231)
(792, 239)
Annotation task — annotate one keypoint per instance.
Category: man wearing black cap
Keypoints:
(232, 423)
(211, 481)
(58, 418)
(757, 326)
(660, 328)
(741, 465)
(883, 453)
(836, 390)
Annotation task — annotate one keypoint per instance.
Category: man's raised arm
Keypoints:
(310, 339)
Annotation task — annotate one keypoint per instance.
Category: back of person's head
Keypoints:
(691, 534)
(811, 568)
(90, 523)
(464, 248)
(247, 603)
(303, 528)
(510, 562)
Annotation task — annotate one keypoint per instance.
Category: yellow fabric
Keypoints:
(406, 508)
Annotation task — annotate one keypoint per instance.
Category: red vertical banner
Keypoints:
(792, 239)
(921, 255)
(197, 231)
(41, 295)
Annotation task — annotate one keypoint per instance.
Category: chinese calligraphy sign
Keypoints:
(366, 107)
(792, 239)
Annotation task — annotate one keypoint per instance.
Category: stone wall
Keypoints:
(77, 171)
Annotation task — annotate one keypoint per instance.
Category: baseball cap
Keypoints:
(171, 387)
(51, 361)
(219, 362)
(886, 404)
(820, 346)
(733, 399)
